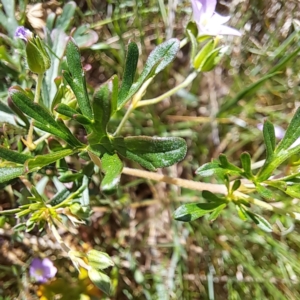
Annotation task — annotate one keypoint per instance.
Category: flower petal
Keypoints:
(209, 6)
(226, 30)
(219, 19)
(197, 10)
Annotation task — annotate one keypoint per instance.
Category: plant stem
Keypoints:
(29, 143)
(38, 87)
(171, 92)
(213, 188)
(189, 184)
(135, 100)
(125, 118)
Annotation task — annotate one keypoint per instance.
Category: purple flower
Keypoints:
(208, 21)
(42, 269)
(23, 33)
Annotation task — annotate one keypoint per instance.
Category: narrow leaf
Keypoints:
(129, 71)
(77, 79)
(40, 161)
(13, 156)
(158, 59)
(246, 164)
(43, 119)
(291, 135)
(260, 221)
(8, 173)
(192, 33)
(227, 165)
(269, 138)
(248, 91)
(192, 211)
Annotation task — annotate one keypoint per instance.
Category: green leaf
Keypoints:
(192, 33)
(211, 197)
(260, 221)
(72, 113)
(65, 19)
(76, 79)
(293, 190)
(291, 135)
(236, 185)
(151, 152)
(246, 164)
(59, 197)
(269, 138)
(100, 280)
(225, 164)
(210, 169)
(264, 192)
(192, 211)
(129, 71)
(214, 215)
(101, 110)
(8, 173)
(114, 93)
(241, 212)
(13, 156)
(158, 59)
(283, 62)
(248, 91)
(43, 119)
(40, 161)
(112, 167)
(99, 260)
(203, 54)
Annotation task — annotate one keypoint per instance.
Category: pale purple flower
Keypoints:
(208, 21)
(23, 33)
(42, 269)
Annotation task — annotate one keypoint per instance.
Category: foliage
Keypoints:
(81, 136)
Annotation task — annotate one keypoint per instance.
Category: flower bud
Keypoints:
(38, 59)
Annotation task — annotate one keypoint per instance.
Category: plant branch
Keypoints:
(171, 92)
(201, 186)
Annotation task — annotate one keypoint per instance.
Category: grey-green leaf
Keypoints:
(76, 79)
(8, 173)
(112, 167)
(158, 59)
(151, 152)
(101, 281)
(129, 71)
